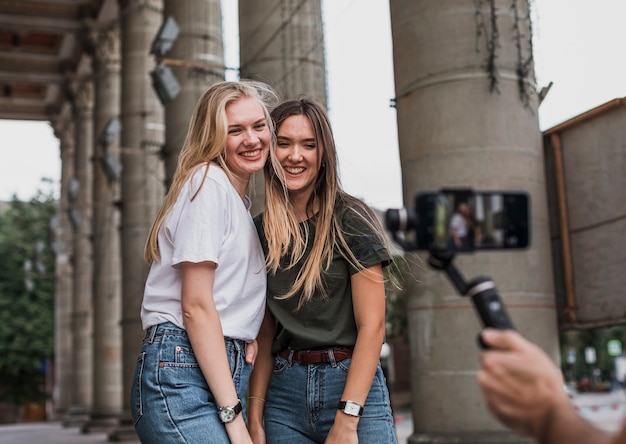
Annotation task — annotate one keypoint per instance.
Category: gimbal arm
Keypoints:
(481, 290)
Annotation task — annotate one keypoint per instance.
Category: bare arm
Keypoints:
(260, 378)
(524, 390)
(620, 438)
(368, 298)
(207, 340)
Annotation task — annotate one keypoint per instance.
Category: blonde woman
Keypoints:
(204, 297)
(317, 378)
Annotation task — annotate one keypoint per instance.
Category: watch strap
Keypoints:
(237, 408)
(350, 408)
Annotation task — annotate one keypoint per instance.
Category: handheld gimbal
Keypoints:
(481, 290)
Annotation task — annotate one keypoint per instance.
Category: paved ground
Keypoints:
(605, 410)
(55, 433)
(46, 433)
(404, 425)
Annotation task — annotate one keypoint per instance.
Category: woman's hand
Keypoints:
(343, 430)
(252, 349)
(258, 435)
(237, 431)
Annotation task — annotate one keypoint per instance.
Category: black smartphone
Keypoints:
(460, 220)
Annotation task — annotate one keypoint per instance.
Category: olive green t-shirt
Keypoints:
(323, 323)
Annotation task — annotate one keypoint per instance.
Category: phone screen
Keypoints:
(464, 221)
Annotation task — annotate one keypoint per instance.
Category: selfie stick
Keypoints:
(481, 290)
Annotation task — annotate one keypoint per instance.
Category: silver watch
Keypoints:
(350, 408)
(228, 414)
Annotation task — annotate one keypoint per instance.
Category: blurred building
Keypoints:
(586, 185)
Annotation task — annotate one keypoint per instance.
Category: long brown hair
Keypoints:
(206, 142)
(283, 232)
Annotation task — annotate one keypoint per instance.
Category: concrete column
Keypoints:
(63, 244)
(467, 117)
(197, 60)
(142, 178)
(81, 208)
(282, 44)
(107, 290)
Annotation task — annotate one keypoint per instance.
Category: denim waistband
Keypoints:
(156, 332)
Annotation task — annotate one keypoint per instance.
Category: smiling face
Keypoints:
(298, 154)
(248, 140)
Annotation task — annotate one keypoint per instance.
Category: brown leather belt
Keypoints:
(316, 356)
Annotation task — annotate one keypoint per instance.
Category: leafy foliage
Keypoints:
(579, 340)
(396, 310)
(26, 313)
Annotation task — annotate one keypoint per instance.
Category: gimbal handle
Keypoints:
(481, 290)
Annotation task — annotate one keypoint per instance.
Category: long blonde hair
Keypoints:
(206, 142)
(283, 232)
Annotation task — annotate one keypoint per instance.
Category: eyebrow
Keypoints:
(309, 139)
(263, 119)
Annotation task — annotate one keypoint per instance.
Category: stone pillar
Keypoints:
(63, 246)
(142, 178)
(197, 60)
(283, 45)
(107, 294)
(80, 217)
(467, 117)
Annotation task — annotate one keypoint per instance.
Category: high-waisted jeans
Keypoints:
(170, 399)
(301, 404)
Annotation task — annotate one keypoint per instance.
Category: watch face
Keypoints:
(352, 409)
(227, 414)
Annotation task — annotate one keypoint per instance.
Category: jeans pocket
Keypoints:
(344, 364)
(136, 398)
(280, 364)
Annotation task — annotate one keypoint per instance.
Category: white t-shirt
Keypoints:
(216, 226)
(458, 223)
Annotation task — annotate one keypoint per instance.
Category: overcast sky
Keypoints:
(578, 46)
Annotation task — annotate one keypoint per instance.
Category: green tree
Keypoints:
(396, 310)
(26, 298)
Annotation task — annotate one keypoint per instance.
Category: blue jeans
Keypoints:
(301, 404)
(170, 399)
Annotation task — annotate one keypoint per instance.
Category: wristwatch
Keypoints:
(228, 414)
(350, 408)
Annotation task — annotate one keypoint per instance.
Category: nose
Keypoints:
(295, 153)
(250, 138)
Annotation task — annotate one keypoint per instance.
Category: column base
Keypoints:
(124, 431)
(100, 423)
(76, 416)
(470, 438)
(123, 434)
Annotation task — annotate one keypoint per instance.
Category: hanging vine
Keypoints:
(487, 30)
(524, 64)
(491, 36)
